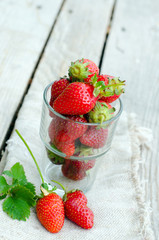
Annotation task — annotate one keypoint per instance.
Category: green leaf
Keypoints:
(101, 84)
(18, 173)
(4, 187)
(23, 193)
(7, 173)
(3, 196)
(16, 208)
(96, 92)
(31, 187)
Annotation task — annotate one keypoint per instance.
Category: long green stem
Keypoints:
(59, 184)
(30, 154)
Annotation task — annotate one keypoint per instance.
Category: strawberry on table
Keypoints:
(76, 209)
(50, 211)
(49, 206)
(76, 99)
(82, 70)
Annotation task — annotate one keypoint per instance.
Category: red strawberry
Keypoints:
(89, 164)
(69, 130)
(57, 88)
(67, 148)
(83, 70)
(52, 130)
(116, 88)
(76, 170)
(50, 212)
(79, 194)
(76, 99)
(76, 209)
(73, 169)
(94, 137)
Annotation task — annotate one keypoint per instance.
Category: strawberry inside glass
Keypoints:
(79, 116)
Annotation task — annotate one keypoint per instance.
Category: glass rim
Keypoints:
(66, 118)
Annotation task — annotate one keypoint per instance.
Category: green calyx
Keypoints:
(78, 71)
(83, 150)
(54, 157)
(114, 86)
(100, 113)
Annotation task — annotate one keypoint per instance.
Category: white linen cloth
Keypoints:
(116, 198)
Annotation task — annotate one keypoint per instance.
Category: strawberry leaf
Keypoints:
(31, 187)
(16, 208)
(4, 187)
(18, 173)
(3, 196)
(7, 173)
(23, 193)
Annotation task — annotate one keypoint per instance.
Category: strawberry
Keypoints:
(76, 99)
(49, 206)
(76, 170)
(82, 70)
(89, 164)
(50, 211)
(101, 112)
(108, 105)
(116, 88)
(76, 209)
(52, 130)
(57, 88)
(94, 137)
(66, 147)
(69, 130)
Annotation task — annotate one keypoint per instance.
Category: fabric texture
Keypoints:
(117, 196)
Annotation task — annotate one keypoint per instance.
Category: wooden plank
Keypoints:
(77, 37)
(132, 53)
(25, 26)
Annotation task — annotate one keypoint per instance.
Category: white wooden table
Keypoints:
(40, 38)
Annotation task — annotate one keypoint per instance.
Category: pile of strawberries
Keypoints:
(82, 97)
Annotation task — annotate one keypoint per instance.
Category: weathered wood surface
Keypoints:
(132, 52)
(25, 26)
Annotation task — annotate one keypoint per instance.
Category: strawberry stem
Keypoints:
(44, 191)
(42, 179)
(60, 185)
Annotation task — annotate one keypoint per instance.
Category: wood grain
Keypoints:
(132, 52)
(79, 33)
(25, 26)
